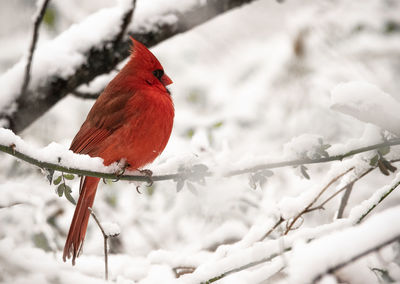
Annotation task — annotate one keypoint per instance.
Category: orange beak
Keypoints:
(166, 80)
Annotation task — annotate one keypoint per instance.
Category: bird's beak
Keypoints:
(165, 80)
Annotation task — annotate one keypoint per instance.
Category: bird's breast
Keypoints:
(145, 132)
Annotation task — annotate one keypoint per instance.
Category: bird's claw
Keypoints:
(148, 174)
(120, 172)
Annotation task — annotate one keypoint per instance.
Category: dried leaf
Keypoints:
(382, 168)
(389, 166)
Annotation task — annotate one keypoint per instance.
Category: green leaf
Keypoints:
(57, 180)
(190, 132)
(326, 146)
(384, 150)
(68, 195)
(50, 17)
(41, 241)
(69, 176)
(60, 189)
(150, 190)
(218, 124)
(383, 275)
(111, 199)
(374, 160)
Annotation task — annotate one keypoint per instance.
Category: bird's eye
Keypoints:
(158, 73)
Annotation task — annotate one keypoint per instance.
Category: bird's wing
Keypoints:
(106, 116)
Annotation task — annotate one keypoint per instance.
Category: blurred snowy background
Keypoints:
(245, 84)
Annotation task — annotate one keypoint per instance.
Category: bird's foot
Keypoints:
(149, 176)
(122, 166)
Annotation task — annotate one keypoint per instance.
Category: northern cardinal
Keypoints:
(131, 121)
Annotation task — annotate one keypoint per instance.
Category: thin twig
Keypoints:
(105, 236)
(289, 227)
(10, 205)
(321, 206)
(356, 257)
(126, 20)
(344, 200)
(273, 228)
(86, 95)
(246, 266)
(35, 36)
(386, 194)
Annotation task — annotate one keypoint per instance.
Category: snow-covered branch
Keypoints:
(57, 158)
(82, 54)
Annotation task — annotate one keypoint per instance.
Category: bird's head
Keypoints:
(147, 67)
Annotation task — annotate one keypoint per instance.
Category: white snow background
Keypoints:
(262, 83)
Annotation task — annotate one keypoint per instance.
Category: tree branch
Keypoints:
(35, 36)
(356, 257)
(306, 209)
(11, 150)
(85, 95)
(350, 184)
(308, 161)
(386, 194)
(101, 58)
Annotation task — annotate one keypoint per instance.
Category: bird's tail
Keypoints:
(79, 223)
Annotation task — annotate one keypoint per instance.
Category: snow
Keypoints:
(54, 153)
(243, 96)
(111, 229)
(302, 147)
(317, 257)
(363, 101)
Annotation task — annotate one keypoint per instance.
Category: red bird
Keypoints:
(131, 121)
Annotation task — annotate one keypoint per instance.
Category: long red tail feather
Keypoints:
(79, 223)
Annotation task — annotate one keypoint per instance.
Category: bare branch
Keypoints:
(35, 36)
